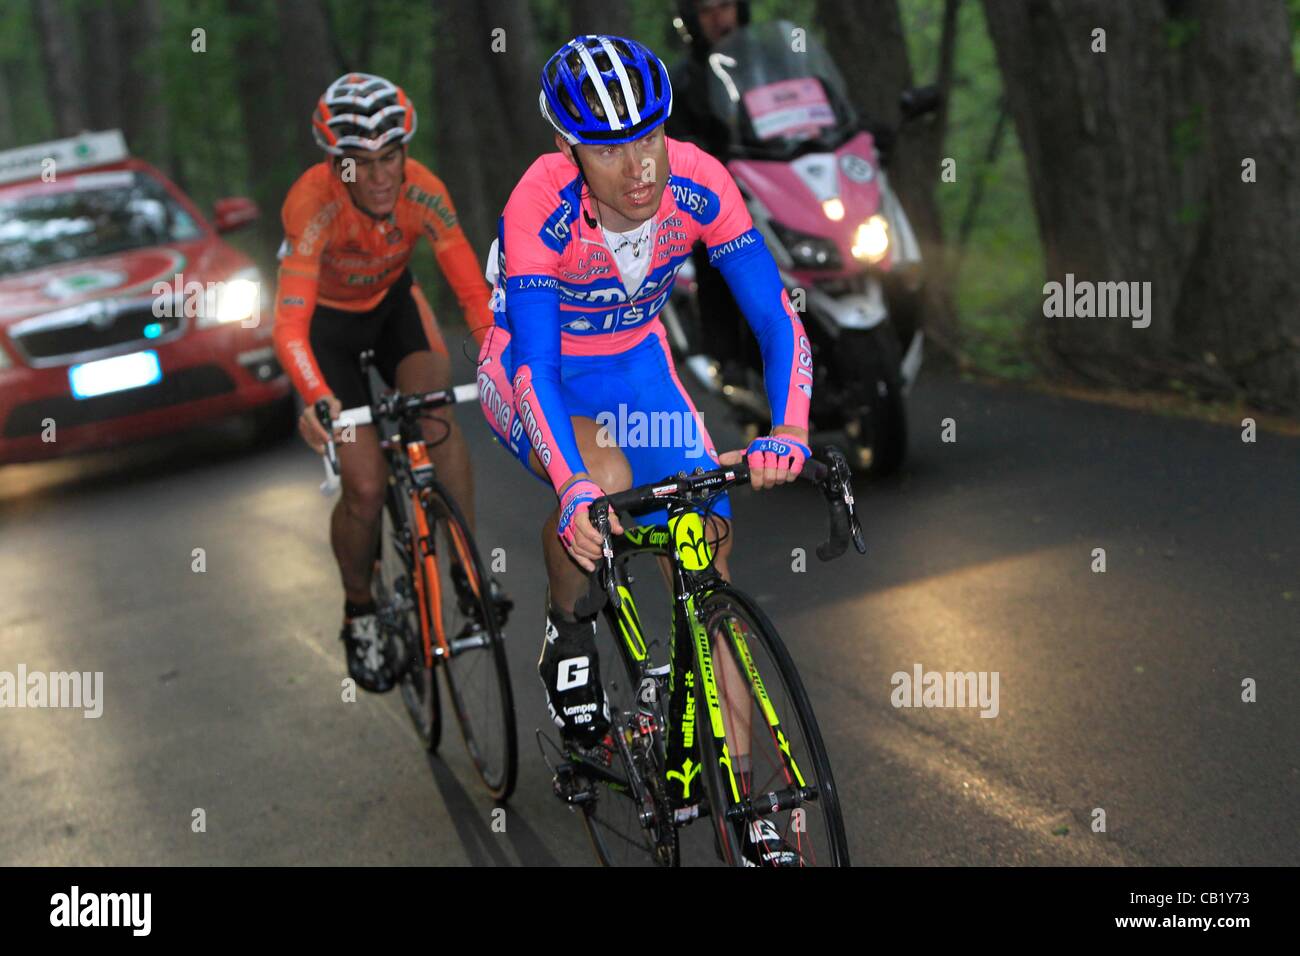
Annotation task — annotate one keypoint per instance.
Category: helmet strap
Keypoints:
(582, 174)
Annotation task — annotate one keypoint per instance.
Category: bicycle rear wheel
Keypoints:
(478, 680)
(612, 815)
(396, 598)
(789, 791)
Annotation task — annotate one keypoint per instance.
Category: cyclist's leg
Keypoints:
(354, 525)
(337, 339)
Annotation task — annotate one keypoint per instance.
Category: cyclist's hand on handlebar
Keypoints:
(579, 535)
(774, 459)
(310, 428)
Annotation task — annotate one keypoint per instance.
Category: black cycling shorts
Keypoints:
(401, 324)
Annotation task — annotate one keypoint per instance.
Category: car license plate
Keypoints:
(115, 374)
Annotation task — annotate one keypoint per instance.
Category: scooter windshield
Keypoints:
(777, 90)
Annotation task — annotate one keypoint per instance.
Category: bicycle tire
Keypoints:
(499, 780)
(726, 600)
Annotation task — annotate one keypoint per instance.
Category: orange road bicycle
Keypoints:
(681, 738)
(431, 590)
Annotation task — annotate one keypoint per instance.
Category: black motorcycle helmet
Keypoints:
(690, 28)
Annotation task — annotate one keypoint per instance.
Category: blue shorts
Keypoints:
(635, 396)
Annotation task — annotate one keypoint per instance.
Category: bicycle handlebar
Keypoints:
(395, 405)
(830, 473)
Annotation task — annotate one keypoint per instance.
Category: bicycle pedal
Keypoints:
(570, 786)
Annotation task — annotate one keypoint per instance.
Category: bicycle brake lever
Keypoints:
(845, 478)
(332, 481)
(607, 554)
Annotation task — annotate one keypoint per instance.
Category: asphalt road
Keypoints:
(1119, 690)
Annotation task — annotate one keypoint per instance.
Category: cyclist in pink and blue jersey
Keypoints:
(585, 256)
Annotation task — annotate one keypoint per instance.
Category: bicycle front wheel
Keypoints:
(478, 681)
(772, 798)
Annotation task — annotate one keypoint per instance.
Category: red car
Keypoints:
(122, 314)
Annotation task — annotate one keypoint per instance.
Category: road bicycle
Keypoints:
(673, 725)
(431, 590)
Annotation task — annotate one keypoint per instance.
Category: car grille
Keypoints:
(115, 326)
(186, 385)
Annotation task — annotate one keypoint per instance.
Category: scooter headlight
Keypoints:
(808, 252)
(871, 241)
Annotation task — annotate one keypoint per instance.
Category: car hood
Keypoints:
(130, 273)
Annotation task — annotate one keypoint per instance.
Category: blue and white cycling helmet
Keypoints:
(604, 90)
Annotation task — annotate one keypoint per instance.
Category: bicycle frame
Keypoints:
(684, 544)
(412, 477)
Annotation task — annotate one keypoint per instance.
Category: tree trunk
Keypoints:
(8, 139)
(487, 128)
(612, 17)
(308, 64)
(102, 75)
(867, 43)
(58, 55)
(256, 84)
(1134, 163)
(1241, 301)
(145, 117)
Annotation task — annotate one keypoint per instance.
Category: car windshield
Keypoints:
(104, 214)
(774, 86)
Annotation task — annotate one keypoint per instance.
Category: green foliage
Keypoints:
(1294, 10)
(1180, 31)
(24, 77)
(999, 286)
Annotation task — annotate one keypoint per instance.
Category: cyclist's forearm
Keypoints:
(754, 280)
(540, 407)
(295, 300)
(533, 315)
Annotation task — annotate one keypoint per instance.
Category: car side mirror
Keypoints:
(234, 213)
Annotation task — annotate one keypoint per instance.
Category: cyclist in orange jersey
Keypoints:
(351, 224)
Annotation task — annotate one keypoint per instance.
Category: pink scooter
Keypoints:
(848, 257)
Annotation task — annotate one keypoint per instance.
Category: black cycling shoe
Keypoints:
(468, 603)
(570, 672)
(376, 660)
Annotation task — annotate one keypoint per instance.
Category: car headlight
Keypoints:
(237, 299)
(808, 252)
(871, 241)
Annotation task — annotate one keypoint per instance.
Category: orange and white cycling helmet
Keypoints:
(362, 111)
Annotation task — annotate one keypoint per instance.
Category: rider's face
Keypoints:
(627, 179)
(717, 20)
(378, 176)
